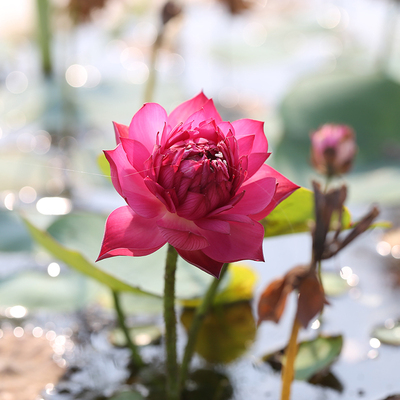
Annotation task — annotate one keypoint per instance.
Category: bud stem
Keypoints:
(172, 368)
(288, 369)
(201, 312)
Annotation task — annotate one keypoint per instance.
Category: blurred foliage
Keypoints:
(226, 333)
(314, 357)
(295, 214)
(368, 103)
(14, 236)
(388, 335)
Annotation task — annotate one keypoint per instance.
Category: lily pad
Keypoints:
(388, 335)
(296, 214)
(314, 357)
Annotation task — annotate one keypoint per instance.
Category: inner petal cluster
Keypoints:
(197, 170)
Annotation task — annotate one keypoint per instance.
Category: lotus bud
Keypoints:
(333, 148)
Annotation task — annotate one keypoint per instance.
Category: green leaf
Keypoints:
(77, 261)
(388, 335)
(295, 214)
(83, 233)
(316, 355)
(333, 284)
(104, 165)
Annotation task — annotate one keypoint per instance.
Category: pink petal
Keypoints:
(193, 207)
(120, 131)
(199, 259)
(127, 233)
(183, 111)
(243, 243)
(255, 162)
(247, 127)
(137, 154)
(161, 194)
(129, 184)
(214, 224)
(211, 112)
(245, 145)
(147, 123)
(283, 190)
(182, 234)
(257, 196)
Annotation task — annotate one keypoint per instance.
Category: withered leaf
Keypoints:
(273, 300)
(311, 299)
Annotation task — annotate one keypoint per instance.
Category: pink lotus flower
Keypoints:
(193, 181)
(333, 148)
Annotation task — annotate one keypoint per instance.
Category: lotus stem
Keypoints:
(151, 81)
(44, 35)
(290, 354)
(199, 316)
(172, 369)
(121, 320)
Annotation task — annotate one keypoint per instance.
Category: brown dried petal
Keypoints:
(311, 299)
(273, 300)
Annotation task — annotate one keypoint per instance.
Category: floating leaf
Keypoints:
(295, 214)
(333, 284)
(388, 335)
(77, 261)
(314, 357)
(240, 287)
(226, 332)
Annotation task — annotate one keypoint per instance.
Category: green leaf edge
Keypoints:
(302, 376)
(80, 263)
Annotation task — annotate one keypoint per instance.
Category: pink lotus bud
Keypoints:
(333, 148)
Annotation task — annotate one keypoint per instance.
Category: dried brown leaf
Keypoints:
(311, 299)
(273, 300)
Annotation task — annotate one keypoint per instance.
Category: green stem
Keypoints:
(172, 368)
(201, 312)
(121, 320)
(44, 35)
(151, 81)
(288, 369)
